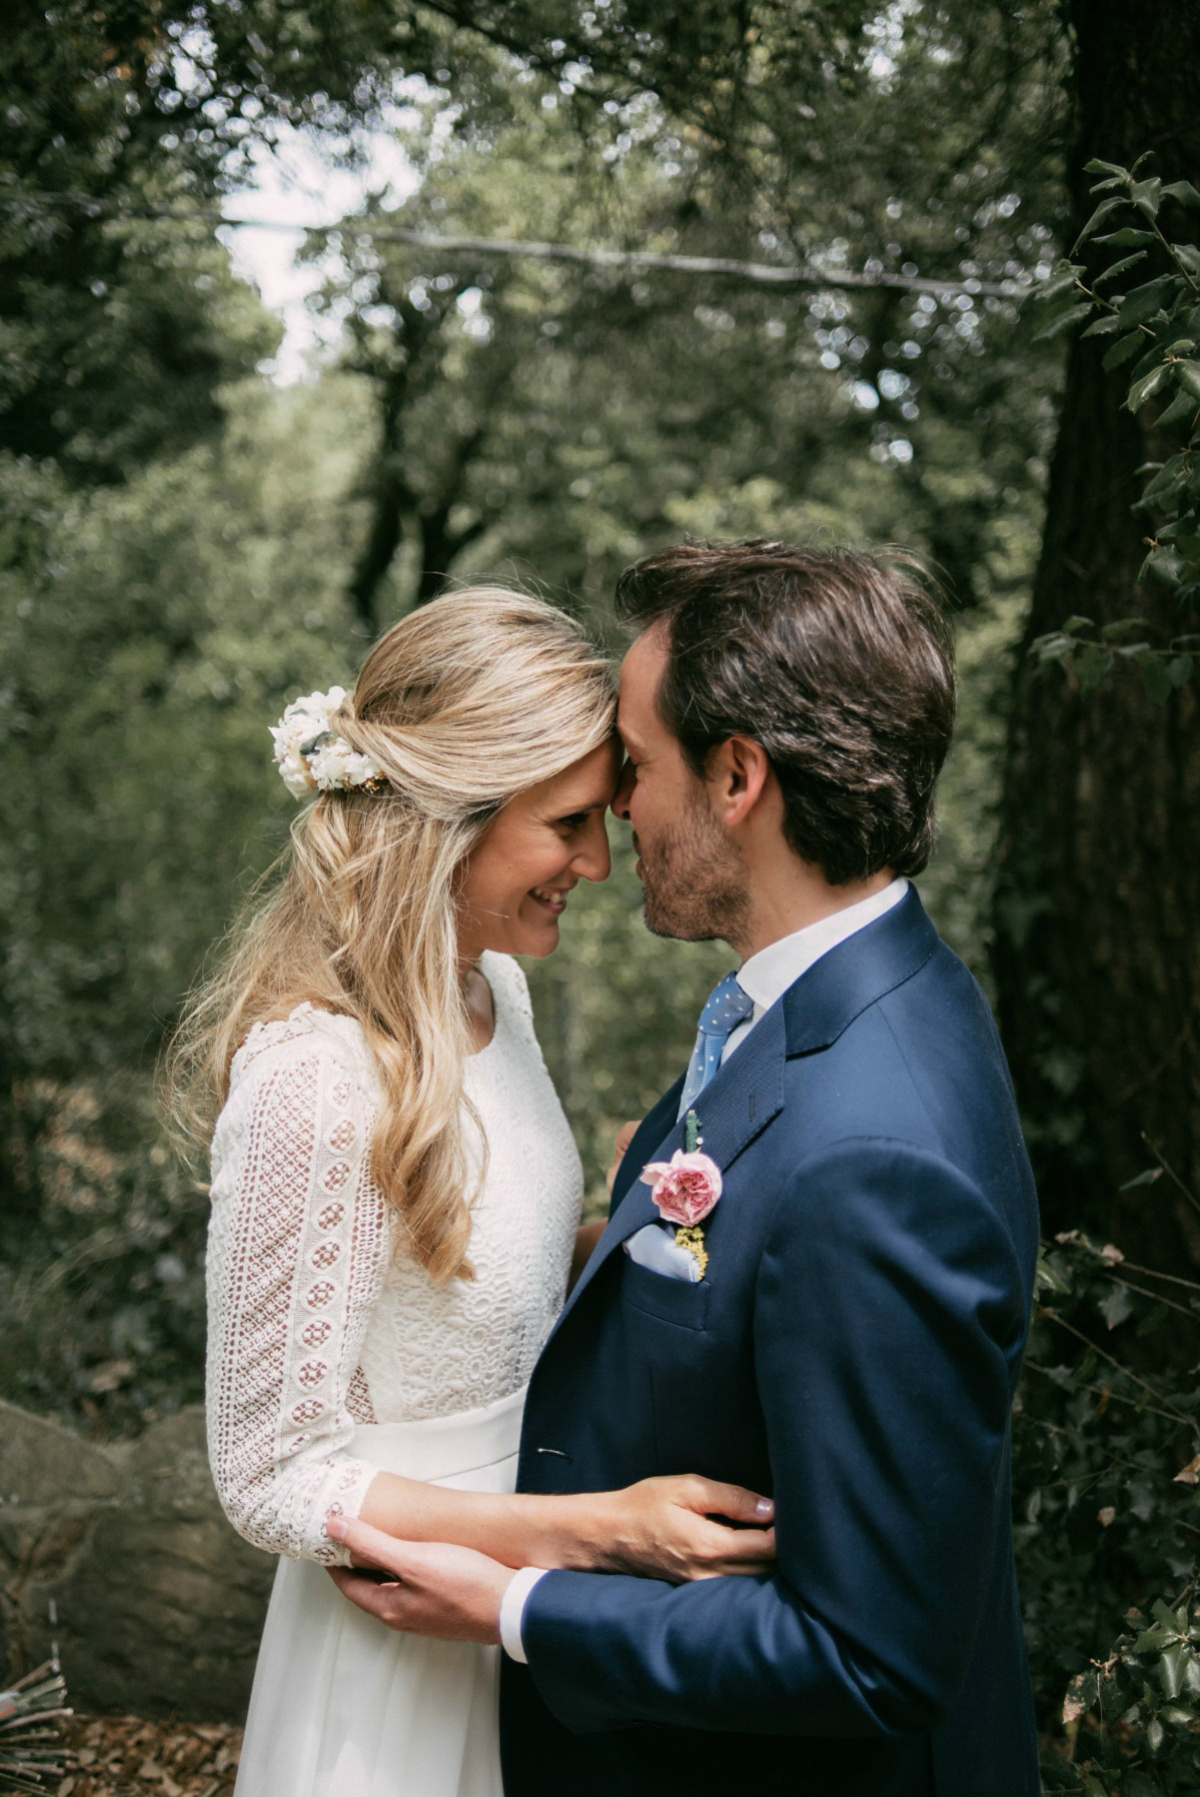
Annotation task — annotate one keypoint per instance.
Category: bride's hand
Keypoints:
(678, 1528)
(625, 1136)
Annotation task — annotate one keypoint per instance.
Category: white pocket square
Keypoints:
(655, 1248)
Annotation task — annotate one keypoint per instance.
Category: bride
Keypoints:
(395, 1191)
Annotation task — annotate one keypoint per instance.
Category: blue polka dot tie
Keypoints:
(727, 1006)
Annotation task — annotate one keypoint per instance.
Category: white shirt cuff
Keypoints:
(512, 1609)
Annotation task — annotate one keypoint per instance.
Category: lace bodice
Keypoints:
(316, 1323)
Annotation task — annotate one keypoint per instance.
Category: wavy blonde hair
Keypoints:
(465, 703)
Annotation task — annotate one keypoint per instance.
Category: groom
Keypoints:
(848, 1334)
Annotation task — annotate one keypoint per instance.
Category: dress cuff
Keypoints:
(512, 1609)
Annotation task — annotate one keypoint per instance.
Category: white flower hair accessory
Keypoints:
(312, 757)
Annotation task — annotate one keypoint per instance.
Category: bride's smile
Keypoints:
(543, 842)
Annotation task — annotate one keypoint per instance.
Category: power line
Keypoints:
(800, 275)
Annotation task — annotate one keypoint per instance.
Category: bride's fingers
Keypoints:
(731, 1551)
(368, 1545)
(734, 1502)
(736, 1547)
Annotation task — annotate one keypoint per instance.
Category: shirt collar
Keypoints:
(766, 976)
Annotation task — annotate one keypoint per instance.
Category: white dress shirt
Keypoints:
(765, 977)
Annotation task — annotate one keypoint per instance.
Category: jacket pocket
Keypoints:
(675, 1301)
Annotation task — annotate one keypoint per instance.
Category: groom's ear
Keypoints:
(739, 773)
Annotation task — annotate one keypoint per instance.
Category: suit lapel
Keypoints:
(742, 1099)
(857, 973)
(747, 1091)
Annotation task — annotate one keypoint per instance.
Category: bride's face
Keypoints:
(541, 845)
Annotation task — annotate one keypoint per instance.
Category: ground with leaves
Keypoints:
(123, 1756)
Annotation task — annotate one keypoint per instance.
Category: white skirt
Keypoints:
(344, 1707)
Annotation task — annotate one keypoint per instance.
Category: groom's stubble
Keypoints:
(693, 880)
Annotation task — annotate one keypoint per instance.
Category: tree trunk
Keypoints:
(1097, 917)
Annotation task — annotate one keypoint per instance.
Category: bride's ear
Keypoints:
(739, 773)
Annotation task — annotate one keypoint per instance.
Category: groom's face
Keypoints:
(692, 876)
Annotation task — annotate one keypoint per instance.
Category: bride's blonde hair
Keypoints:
(465, 703)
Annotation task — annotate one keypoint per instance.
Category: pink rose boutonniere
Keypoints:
(686, 1189)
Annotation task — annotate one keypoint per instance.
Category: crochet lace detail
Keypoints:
(317, 1323)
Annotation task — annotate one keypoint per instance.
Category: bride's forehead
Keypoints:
(588, 782)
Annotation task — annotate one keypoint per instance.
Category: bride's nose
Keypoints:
(592, 859)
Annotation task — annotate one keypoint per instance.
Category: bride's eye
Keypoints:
(575, 822)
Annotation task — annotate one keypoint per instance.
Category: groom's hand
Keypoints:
(450, 1593)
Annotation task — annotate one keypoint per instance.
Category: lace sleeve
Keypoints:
(298, 1241)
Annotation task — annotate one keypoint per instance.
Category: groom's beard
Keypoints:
(693, 882)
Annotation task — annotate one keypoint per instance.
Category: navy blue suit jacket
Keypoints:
(852, 1351)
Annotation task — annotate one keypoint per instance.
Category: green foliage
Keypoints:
(1154, 327)
(586, 413)
(1107, 1516)
(115, 330)
(102, 1317)
(1136, 1715)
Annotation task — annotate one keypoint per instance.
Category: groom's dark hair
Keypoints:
(839, 664)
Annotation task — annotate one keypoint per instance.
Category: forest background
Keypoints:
(762, 268)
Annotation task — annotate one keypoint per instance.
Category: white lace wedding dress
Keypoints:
(332, 1357)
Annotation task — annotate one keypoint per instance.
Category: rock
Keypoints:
(160, 1604)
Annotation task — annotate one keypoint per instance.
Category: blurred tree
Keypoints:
(1097, 959)
(117, 331)
(672, 385)
(149, 633)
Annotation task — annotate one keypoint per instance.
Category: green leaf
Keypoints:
(1119, 268)
(1103, 326)
(1145, 196)
(1181, 408)
(1052, 647)
(1165, 480)
(1150, 1177)
(1064, 280)
(1153, 1640)
(1115, 1307)
(1088, 1690)
(1145, 301)
(1165, 564)
(1076, 622)
(1155, 1734)
(1122, 350)
(1048, 1278)
(1147, 387)
(1183, 191)
(1172, 1666)
(1104, 210)
(1119, 627)
(1179, 670)
(1066, 321)
(1188, 256)
(1169, 1618)
(1091, 664)
(1097, 167)
(1155, 683)
(1188, 376)
(1126, 237)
